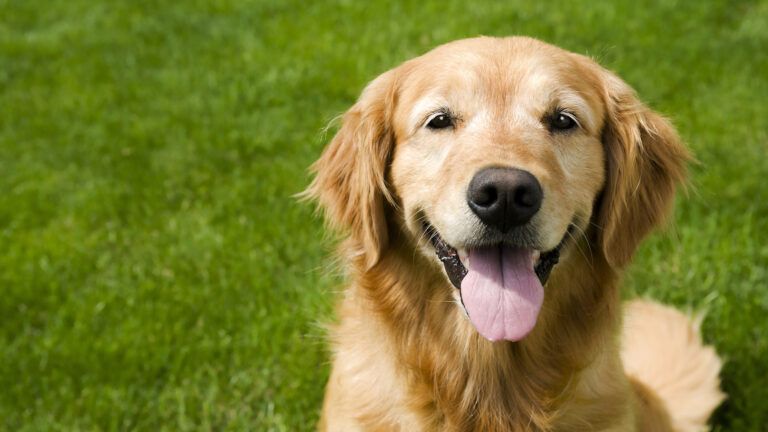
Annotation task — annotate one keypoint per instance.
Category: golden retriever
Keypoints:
(491, 191)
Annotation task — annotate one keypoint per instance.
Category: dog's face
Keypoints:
(493, 154)
(498, 144)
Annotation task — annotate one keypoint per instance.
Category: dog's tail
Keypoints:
(663, 355)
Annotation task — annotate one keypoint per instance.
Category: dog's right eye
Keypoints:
(439, 121)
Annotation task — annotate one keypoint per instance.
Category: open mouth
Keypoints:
(456, 262)
(501, 286)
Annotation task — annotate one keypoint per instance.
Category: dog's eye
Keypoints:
(562, 121)
(439, 121)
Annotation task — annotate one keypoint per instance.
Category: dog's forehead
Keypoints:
(498, 73)
(505, 72)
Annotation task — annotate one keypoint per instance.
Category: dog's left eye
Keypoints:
(439, 121)
(562, 121)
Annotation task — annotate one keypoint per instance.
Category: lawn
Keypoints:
(156, 272)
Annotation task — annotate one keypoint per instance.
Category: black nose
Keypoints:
(504, 197)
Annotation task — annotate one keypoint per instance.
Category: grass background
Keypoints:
(155, 273)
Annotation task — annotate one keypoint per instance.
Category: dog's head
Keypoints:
(494, 156)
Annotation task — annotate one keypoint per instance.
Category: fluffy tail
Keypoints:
(663, 351)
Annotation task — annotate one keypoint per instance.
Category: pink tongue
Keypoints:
(501, 292)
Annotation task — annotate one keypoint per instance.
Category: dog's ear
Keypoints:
(645, 162)
(350, 176)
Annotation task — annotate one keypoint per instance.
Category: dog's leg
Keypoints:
(335, 415)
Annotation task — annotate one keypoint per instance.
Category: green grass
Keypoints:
(155, 273)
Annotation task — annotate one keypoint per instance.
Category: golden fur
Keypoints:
(404, 355)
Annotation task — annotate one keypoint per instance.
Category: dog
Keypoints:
(490, 192)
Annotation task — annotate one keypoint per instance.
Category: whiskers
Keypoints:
(575, 239)
(424, 235)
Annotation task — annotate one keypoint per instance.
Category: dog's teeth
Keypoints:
(463, 257)
(536, 256)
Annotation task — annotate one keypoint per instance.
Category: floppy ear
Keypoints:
(350, 176)
(645, 162)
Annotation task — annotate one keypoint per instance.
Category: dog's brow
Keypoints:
(424, 106)
(572, 101)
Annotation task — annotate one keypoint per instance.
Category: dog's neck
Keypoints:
(459, 373)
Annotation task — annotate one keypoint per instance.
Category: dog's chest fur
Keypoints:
(407, 358)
